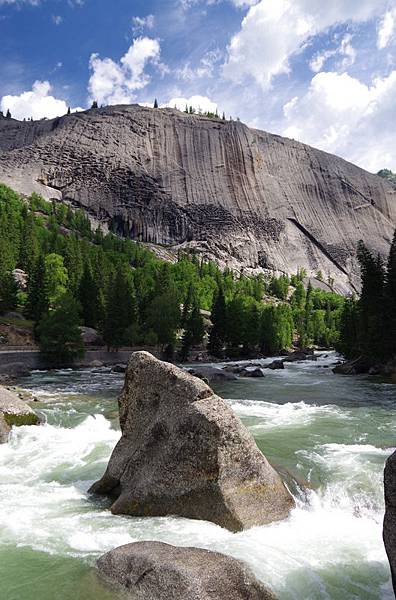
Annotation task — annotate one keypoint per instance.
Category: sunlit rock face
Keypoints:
(13, 411)
(244, 197)
(157, 571)
(184, 452)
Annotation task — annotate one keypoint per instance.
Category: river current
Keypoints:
(330, 433)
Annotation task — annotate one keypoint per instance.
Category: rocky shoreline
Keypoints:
(364, 366)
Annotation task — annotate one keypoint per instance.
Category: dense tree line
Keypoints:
(368, 324)
(122, 289)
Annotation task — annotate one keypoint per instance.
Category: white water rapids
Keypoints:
(332, 433)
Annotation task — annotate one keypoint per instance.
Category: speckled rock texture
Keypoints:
(157, 571)
(184, 452)
(242, 196)
(13, 411)
(390, 514)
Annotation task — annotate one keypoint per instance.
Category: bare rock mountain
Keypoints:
(243, 196)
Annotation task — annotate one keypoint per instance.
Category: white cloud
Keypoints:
(32, 2)
(36, 103)
(139, 24)
(57, 19)
(344, 116)
(344, 49)
(273, 30)
(116, 82)
(200, 103)
(204, 69)
(243, 3)
(386, 29)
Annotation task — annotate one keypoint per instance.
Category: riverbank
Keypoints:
(18, 363)
(364, 366)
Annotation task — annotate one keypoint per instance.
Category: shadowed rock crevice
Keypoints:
(315, 242)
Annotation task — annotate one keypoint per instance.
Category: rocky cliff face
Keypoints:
(245, 197)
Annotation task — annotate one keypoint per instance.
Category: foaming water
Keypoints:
(284, 415)
(336, 445)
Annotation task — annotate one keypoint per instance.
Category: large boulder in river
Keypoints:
(13, 411)
(157, 571)
(390, 514)
(184, 452)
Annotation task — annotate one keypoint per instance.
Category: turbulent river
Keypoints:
(331, 433)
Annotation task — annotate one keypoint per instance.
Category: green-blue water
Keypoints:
(329, 432)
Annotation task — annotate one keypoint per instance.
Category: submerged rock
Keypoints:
(13, 411)
(157, 571)
(389, 531)
(184, 452)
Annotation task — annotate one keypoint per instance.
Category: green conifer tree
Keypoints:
(8, 293)
(371, 304)
(193, 333)
(390, 302)
(37, 302)
(217, 336)
(121, 317)
(60, 336)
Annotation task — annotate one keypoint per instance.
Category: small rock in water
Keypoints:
(211, 374)
(96, 364)
(184, 452)
(158, 571)
(252, 373)
(276, 364)
(300, 356)
(119, 368)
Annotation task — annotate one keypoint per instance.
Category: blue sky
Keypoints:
(323, 73)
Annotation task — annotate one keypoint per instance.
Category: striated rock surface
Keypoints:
(13, 411)
(184, 452)
(389, 531)
(157, 571)
(244, 197)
